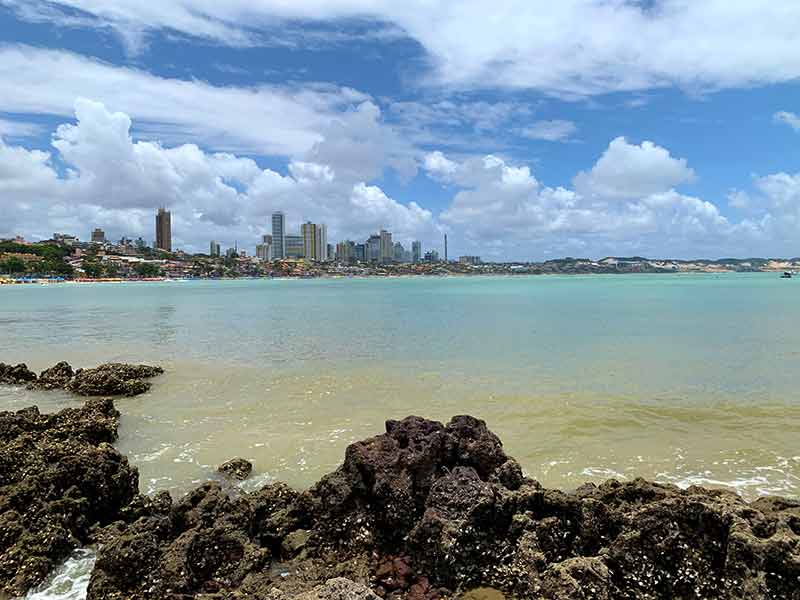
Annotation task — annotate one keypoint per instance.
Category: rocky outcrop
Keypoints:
(16, 374)
(426, 510)
(236, 468)
(56, 377)
(113, 379)
(110, 379)
(59, 478)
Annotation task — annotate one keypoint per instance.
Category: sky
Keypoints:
(523, 129)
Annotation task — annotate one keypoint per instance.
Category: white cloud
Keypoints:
(19, 129)
(116, 183)
(788, 118)
(504, 210)
(551, 131)
(567, 48)
(629, 171)
(269, 120)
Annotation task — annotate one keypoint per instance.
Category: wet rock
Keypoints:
(59, 478)
(426, 510)
(236, 468)
(55, 378)
(113, 379)
(16, 374)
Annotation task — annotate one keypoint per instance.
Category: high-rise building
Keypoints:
(373, 248)
(164, 230)
(294, 246)
(264, 249)
(346, 251)
(445, 247)
(399, 252)
(361, 252)
(309, 232)
(469, 260)
(315, 241)
(416, 251)
(214, 248)
(432, 256)
(98, 236)
(387, 248)
(279, 246)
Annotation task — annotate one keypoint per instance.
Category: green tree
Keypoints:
(92, 269)
(13, 265)
(112, 270)
(147, 269)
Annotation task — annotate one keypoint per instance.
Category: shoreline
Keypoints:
(88, 281)
(424, 511)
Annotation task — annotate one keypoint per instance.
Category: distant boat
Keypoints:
(786, 275)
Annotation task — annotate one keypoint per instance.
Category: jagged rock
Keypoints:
(236, 468)
(59, 477)
(113, 379)
(16, 375)
(55, 378)
(427, 510)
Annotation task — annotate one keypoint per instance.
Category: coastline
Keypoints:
(424, 511)
(89, 281)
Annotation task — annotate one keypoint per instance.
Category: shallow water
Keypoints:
(679, 378)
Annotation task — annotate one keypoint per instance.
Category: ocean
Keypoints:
(686, 379)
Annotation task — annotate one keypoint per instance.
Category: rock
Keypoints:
(113, 379)
(427, 509)
(294, 542)
(59, 478)
(236, 468)
(333, 589)
(15, 375)
(55, 378)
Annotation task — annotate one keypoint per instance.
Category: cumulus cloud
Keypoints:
(568, 48)
(556, 130)
(788, 118)
(115, 182)
(504, 210)
(629, 171)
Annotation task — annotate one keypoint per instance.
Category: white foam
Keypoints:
(70, 581)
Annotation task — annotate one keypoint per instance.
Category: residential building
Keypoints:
(386, 247)
(279, 245)
(65, 238)
(98, 236)
(373, 249)
(346, 251)
(330, 251)
(469, 260)
(416, 251)
(361, 252)
(294, 246)
(431, 256)
(214, 249)
(399, 252)
(164, 230)
(445, 247)
(140, 243)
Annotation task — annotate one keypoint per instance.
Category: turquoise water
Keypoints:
(682, 378)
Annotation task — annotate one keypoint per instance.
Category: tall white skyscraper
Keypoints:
(278, 235)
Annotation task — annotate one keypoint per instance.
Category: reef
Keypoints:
(109, 379)
(60, 479)
(429, 510)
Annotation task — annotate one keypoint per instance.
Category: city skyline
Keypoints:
(518, 146)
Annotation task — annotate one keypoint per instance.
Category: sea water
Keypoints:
(687, 379)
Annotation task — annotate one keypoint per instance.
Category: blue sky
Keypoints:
(523, 130)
